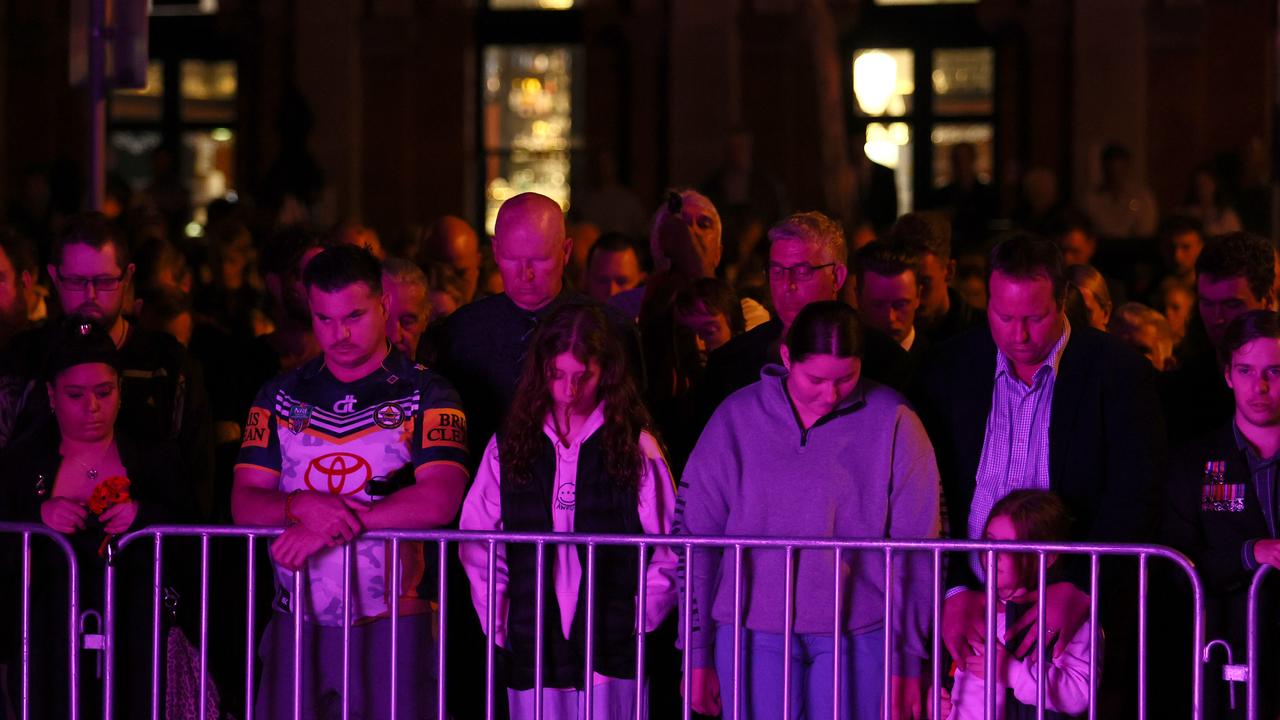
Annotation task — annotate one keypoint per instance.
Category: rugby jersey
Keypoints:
(318, 433)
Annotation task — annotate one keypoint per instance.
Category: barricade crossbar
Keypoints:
(736, 548)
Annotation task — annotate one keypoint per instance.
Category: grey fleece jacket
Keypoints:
(866, 470)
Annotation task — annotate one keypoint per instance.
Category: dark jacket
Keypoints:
(154, 471)
(959, 318)
(162, 398)
(1216, 541)
(1106, 434)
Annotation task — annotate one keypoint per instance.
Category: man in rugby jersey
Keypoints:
(361, 438)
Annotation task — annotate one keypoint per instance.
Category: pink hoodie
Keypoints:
(1066, 687)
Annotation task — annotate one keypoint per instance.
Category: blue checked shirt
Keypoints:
(1015, 452)
(1263, 472)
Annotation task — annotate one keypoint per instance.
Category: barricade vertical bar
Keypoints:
(108, 633)
(298, 603)
(737, 632)
(935, 693)
(346, 631)
(491, 626)
(989, 647)
(1093, 639)
(642, 596)
(788, 631)
(1197, 668)
(686, 627)
(204, 623)
(539, 636)
(73, 619)
(395, 620)
(1042, 632)
(1251, 644)
(442, 585)
(886, 706)
(25, 687)
(589, 670)
(251, 585)
(1142, 636)
(837, 635)
(156, 593)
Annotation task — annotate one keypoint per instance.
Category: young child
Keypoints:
(1027, 516)
(710, 311)
(575, 455)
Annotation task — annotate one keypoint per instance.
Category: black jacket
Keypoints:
(1107, 449)
(155, 473)
(162, 398)
(1215, 541)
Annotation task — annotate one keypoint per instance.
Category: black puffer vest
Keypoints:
(601, 506)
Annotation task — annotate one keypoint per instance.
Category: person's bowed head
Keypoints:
(83, 384)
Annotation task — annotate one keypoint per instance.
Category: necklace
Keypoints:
(91, 470)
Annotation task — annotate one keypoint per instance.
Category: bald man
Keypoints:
(487, 340)
(452, 241)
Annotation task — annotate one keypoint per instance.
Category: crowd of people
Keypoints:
(1105, 375)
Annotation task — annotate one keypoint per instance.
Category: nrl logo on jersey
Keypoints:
(299, 417)
(388, 416)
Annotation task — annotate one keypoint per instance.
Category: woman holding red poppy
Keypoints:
(80, 477)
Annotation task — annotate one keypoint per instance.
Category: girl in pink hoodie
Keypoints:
(1027, 516)
(575, 455)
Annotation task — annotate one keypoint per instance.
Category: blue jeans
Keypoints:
(861, 675)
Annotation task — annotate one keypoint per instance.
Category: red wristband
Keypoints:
(289, 517)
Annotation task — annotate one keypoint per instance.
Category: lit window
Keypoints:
(890, 145)
(208, 91)
(529, 122)
(946, 136)
(883, 81)
(145, 105)
(534, 4)
(963, 81)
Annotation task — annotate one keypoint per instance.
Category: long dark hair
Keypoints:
(828, 327)
(1037, 516)
(584, 331)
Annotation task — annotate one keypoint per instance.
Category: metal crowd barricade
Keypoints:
(26, 531)
(1253, 681)
(447, 541)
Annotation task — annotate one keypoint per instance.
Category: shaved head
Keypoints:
(531, 248)
(530, 213)
(452, 241)
(451, 238)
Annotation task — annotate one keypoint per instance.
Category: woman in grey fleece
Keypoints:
(811, 450)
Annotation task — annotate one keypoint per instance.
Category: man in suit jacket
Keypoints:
(1221, 509)
(1032, 402)
(888, 288)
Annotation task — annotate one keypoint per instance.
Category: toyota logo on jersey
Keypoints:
(339, 473)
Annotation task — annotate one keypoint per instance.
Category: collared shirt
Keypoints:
(1263, 471)
(1015, 452)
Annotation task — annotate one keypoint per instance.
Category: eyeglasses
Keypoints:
(101, 283)
(799, 273)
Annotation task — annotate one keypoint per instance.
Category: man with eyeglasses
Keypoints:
(807, 263)
(163, 395)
